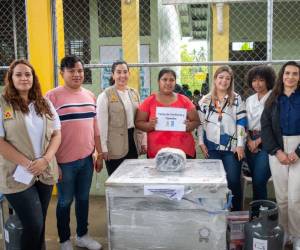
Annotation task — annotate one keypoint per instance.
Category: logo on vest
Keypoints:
(135, 98)
(8, 113)
(113, 98)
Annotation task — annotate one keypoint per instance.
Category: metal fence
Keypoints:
(13, 40)
(189, 35)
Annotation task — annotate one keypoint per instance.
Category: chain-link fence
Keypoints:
(13, 41)
(190, 35)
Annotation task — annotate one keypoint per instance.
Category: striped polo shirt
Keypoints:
(77, 113)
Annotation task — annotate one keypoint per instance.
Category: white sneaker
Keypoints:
(296, 243)
(88, 242)
(67, 245)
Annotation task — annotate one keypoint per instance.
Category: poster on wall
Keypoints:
(109, 54)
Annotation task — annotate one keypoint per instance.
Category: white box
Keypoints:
(185, 210)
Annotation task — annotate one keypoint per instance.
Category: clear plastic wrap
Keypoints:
(170, 159)
(142, 220)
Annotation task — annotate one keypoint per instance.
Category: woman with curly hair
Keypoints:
(29, 139)
(261, 79)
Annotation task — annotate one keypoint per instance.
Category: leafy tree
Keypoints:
(187, 73)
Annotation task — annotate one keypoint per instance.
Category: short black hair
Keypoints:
(69, 62)
(196, 92)
(166, 71)
(262, 71)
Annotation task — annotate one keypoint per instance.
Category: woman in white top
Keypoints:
(116, 109)
(261, 79)
(29, 139)
(222, 132)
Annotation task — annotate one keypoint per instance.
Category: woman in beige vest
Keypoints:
(116, 109)
(29, 138)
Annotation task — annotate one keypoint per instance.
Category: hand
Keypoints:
(38, 166)
(188, 125)
(204, 150)
(293, 157)
(105, 156)
(143, 149)
(252, 146)
(59, 174)
(98, 163)
(283, 157)
(152, 122)
(240, 152)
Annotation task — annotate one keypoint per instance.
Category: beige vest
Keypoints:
(16, 134)
(117, 138)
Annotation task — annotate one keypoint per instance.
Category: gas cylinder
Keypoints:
(13, 231)
(263, 232)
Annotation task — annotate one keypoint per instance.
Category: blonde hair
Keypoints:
(230, 90)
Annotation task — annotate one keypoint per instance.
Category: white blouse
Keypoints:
(35, 127)
(254, 108)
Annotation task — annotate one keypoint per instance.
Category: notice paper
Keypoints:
(173, 192)
(23, 175)
(170, 119)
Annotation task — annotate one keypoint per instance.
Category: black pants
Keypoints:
(31, 207)
(112, 165)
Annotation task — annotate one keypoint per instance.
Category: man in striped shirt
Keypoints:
(80, 136)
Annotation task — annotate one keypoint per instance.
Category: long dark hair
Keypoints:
(113, 68)
(279, 86)
(12, 96)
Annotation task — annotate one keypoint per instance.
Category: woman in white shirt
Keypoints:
(261, 79)
(116, 109)
(29, 139)
(222, 132)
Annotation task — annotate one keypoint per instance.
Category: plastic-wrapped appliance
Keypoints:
(263, 230)
(150, 209)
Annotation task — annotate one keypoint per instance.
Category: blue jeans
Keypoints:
(76, 181)
(233, 174)
(31, 206)
(260, 171)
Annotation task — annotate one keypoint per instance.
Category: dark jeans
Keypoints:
(31, 207)
(260, 171)
(76, 181)
(233, 174)
(112, 165)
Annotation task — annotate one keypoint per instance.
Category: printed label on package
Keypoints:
(6, 235)
(260, 244)
(170, 191)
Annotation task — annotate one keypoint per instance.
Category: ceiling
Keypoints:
(194, 20)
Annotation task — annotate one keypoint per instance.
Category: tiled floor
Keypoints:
(97, 227)
(97, 220)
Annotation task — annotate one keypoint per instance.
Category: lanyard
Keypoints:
(219, 109)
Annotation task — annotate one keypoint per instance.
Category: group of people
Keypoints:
(264, 131)
(63, 137)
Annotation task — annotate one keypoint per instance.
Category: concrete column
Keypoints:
(131, 38)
